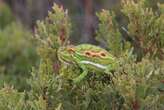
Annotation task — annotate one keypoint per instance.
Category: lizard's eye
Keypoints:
(102, 54)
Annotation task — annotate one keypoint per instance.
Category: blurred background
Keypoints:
(82, 13)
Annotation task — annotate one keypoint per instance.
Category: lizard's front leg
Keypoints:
(82, 75)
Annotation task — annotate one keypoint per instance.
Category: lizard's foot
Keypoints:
(109, 72)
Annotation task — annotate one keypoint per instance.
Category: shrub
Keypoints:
(11, 99)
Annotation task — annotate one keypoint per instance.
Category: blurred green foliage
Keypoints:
(17, 51)
(17, 54)
(6, 16)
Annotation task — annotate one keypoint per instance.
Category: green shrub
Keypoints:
(145, 29)
(11, 99)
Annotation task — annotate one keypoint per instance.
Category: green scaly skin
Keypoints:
(89, 58)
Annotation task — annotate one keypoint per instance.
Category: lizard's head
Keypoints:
(65, 54)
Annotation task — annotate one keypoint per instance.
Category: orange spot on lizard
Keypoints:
(103, 54)
(88, 53)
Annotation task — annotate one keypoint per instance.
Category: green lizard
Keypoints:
(89, 58)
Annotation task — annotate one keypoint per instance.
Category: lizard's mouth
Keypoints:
(66, 61)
